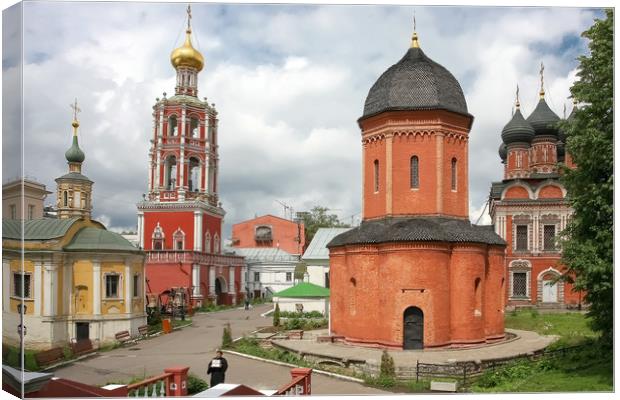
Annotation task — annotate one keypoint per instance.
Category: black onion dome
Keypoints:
(543, 120)
(503, 152)
(517, 130)
(415, 83)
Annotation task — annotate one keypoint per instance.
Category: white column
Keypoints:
(196, 279)
(197, 231)
(38, 276)
(212, 280)
(128, 286)
(182, 153)
(48, 289)
(141, 229)
(231, 283)
(96, 287)
(6, 285)
(243, 280)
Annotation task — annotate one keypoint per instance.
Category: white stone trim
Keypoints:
(196, 280)
(539, 285)
(520, 266)
(38, 276)
(96, 287)
(128, 287)
(141, 229)
(198, 231)
(212, 281)
(231, 279)
(48, 289)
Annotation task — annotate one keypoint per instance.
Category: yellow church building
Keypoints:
(71, 278)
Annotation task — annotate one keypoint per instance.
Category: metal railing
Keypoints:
(190, 256)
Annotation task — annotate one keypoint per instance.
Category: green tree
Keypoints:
(276, 315)
(317, 218)
(227, 337)
(588, 239)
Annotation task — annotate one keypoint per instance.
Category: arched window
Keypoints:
(216, 244)
(170, 176)
(376, 163)
(194, 174)
(158, 238)
(477, 297)
(65, 199)
(193, 127)
(179, 239)
(172, 126)
(207, 247)
(415, 172)
(453, 174)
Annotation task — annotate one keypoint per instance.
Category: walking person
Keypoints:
(217, 368)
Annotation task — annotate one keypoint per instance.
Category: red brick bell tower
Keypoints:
(180, 220)
(416, 273)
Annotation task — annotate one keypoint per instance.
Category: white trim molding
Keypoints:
(520, 266)
(539, 283)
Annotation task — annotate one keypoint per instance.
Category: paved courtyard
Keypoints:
(194, 346)
(525, 342)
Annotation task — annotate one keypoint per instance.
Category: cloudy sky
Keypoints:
(289, 82)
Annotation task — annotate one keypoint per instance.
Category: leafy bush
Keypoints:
(196, 384)
(153, 318)
(276, 316)
(309, 314)
(387, 368)
(227, 337)
(294, 323)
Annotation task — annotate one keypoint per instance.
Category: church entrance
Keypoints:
(413, 329)
(220, 290)
(550, 291)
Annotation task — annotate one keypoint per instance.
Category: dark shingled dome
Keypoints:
(517, 130)
(417, 229)
(415, 83)
(543, 120)
(503, 152)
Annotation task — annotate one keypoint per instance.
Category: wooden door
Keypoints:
(413, 329)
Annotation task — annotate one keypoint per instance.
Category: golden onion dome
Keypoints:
(187, 55)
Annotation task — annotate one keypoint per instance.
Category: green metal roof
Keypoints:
(304, 289)
(36, 229)
(95, 239)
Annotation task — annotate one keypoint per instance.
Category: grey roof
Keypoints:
(317, 249)
(36, 229)
(264, 254)
(415, 83)
(418, 229)
(496, 189)
(543, 120)
(503, 151)
(74, 175)
(517, 130)
(97, 239)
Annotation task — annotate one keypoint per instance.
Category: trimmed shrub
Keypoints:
(196, 384)
(227, 337)
(388, 370)
(276, 316)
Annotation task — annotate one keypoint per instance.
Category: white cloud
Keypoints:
(289, 83)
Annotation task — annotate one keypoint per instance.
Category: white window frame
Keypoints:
(207, 247)
(555, 235)
(527, 239)
(154, 237)
(520, 266)
(216, 244)
(178, 234)
(135, 285)
(288, 277)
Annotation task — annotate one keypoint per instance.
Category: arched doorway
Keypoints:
(221, 291)
(413, 329)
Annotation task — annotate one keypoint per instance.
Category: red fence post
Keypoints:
(177, 385)
(306, 383)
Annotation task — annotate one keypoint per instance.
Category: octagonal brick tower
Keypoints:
(416, 273)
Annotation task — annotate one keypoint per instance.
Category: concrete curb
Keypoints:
(318, 371)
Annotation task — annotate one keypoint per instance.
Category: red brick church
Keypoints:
(416, 273)
(529, 208)
(180, 220)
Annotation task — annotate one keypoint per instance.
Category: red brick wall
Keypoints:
(550, 192)
(374, 202)
(169, 221)
(284, 233)
(164, 276)
(389, 278)
(517, 192)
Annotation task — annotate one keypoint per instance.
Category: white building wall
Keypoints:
(312, 304)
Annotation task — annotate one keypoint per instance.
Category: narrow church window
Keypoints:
(415, 172)
(453, 174)
(216, 244)
(112, 285)
(65, 199)
(521, 244)
(136, 285)
(179, 239)
(20, 279)
(289, 276)
(207, 242)
(172, 125)
(158, 238)
(519, 284)
(193, 127)
(478, 297)
(376, 163)
(30, 211)
(256, 276)
(549, 237)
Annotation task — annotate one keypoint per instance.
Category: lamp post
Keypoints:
(21, 331)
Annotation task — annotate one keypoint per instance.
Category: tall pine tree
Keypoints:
(588, 239)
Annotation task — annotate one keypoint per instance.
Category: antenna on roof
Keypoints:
(286, 209)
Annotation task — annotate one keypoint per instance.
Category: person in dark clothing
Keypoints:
(217, 368)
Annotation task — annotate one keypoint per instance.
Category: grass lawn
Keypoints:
(587, 369)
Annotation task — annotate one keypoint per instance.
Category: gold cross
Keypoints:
(542, 77)
(517, 103)
(414, 20)
(76, 109)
